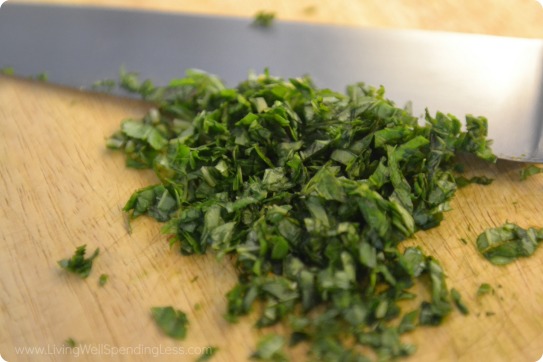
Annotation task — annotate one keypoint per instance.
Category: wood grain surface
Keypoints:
(60, 188)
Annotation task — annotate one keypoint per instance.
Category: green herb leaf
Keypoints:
(70, 342)
(208, 354)
(7, 71)
(103, 279)
(529, 171)
(270, 348)
(171, 321)
(484, 288)
(440, 306)
(503, 245)
(457, 299)
(78, 264)
(462, 181)
(264, 19)
(155, 201)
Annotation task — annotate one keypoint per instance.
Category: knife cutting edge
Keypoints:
(500, 78)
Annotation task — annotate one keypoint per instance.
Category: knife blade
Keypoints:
(497, 77)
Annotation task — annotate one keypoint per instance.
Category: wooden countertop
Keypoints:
(61, 188)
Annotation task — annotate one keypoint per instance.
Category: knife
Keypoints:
(496, 77)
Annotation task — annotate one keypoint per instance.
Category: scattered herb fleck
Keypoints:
(504, 244)
(70, 342)
(129, 81)
(457, 299)
(127, 223)
(208, 354)
(464, 241)
(490, 314)
(42, 77)
(78, 264)
(529, 171)
(104, 85)
(7, 71)
(312, 191)
(264, 19)
(103, 279)
(484, 289)
(171, 321)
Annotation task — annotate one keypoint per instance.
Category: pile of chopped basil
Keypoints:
(311, 191)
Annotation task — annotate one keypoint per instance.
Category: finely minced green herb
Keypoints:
(103, 279)
(462, 181)
(264, 19)
(484, 289)
(70, 342)
(457, 299)
(42, 77)
(104, 85)
(172, 322)
(505, 244)
(129, 82)
(78, 264)
(529, 171)
(311, 191)
(208, 354)
(7, 71)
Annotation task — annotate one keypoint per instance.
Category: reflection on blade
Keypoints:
(497, 77)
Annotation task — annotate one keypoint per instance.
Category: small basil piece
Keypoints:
(208, 354)
(484, 289)
(504, 244)
(529, 171)
(103, 279)
(457, 299)
(78, 264)
(264, 19)
(172, 322)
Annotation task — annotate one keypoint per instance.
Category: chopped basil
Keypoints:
(70, 342)
(462, 181)
(270, 348)
(208, 354)
(103, 279)
(7, 71)
(312, 191)
(171, 321)
(104, 85)
(42, 77)
(264, 19)
(78, 264)
(504, 244)
(529, 171)
(485, 288)
(457, 299)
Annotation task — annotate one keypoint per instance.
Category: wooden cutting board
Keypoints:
(60, 188)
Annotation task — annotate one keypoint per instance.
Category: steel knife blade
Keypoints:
(500, 78)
